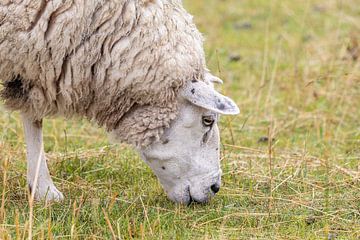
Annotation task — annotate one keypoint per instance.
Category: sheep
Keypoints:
(136, 68)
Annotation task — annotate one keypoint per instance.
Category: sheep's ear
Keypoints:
(203, 95)
(213, 79)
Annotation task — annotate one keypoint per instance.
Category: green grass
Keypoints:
(295, 79)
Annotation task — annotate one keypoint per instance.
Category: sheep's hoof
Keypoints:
(48, 193)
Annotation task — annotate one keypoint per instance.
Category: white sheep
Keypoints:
(135, 67)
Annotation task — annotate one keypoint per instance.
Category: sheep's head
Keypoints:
(186, 160)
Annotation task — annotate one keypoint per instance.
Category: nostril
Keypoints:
(215, 188)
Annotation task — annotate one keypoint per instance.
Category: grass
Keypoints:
(293, 67)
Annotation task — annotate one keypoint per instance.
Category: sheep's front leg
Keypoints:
(45, 189)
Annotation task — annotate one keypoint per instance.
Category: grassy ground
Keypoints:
(292, 67)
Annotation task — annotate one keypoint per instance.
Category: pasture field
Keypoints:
(291, 159)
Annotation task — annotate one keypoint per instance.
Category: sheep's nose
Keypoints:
(215, 188)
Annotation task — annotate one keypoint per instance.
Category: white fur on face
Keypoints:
(186, 160)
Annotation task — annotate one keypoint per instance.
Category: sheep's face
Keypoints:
(187, 159)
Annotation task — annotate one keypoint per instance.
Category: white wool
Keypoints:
(98, 59)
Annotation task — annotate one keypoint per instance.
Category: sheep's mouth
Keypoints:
(191, 199)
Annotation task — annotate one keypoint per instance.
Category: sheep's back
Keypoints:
(96, 58)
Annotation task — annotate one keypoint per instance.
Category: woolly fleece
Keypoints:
(120, 63)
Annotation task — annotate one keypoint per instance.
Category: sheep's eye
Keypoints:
(208, 121)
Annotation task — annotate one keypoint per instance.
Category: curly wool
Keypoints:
(119, 63)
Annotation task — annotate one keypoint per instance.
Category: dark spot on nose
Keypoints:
(215, 188)
(163, 167)
(193, 90)
(166, 141)
(194, 80)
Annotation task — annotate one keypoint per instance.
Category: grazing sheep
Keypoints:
(135, 67)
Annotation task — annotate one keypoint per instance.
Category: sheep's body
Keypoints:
(110, 61)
